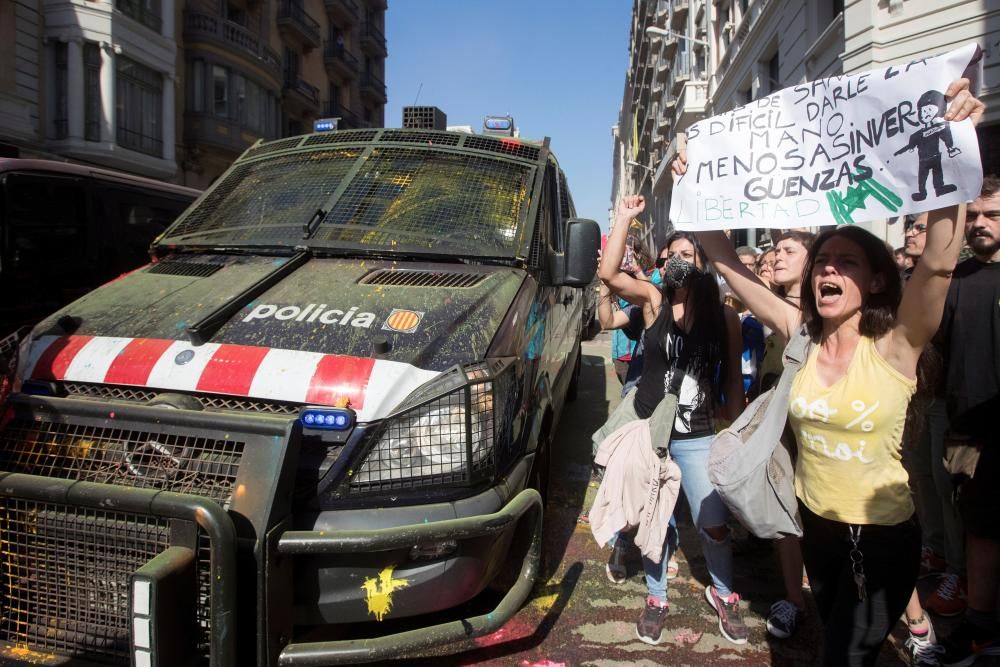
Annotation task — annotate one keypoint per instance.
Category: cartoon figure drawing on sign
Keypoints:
(926, 140)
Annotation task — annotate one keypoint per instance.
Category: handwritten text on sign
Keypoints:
(840, 150)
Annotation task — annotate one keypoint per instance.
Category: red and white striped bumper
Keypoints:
(373, 386)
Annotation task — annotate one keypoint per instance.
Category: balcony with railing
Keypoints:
(342, 12)
(296, 25)
(139, 12)
(679, 17)
(339, 61)
(234, 38)
(373, 41)
(348, 119)
(681, 72)
(692, 103)
(300, 93)
(664, 120)
(739, 35)
(373, 88)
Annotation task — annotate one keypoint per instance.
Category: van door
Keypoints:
(562, 299)
(48, 250)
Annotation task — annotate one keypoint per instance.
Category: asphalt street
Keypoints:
(576, 616)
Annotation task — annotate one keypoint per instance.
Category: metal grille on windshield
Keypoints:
(266, 201)
(432, 199)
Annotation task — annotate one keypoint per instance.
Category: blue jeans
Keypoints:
(707, 511)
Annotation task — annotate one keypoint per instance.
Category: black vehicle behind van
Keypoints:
(66, 229)
(325, 407)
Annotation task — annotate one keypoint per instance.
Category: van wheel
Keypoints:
(538, 480)
(574, 384)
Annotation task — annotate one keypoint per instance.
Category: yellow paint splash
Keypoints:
(378, 592)
(545, 602)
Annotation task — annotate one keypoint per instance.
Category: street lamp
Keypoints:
(653, 31)
(649, 171)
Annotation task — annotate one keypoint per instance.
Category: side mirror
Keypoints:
(576, 267)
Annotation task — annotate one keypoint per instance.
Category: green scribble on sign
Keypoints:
(842, 206)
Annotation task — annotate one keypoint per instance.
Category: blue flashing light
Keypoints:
(325, 124)
(329, 419)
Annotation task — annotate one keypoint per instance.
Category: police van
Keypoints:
(323, 409)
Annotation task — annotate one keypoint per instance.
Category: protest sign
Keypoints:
(835, 151)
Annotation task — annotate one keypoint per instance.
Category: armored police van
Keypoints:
(323, 408)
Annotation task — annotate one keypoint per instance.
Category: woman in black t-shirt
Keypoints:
(692, 350)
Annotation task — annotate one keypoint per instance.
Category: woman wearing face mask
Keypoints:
(847, 407)
(691, 342)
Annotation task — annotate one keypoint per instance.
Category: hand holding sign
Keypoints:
(841, 150)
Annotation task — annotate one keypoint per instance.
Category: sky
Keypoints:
(557, 66)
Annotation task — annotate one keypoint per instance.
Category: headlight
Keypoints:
(433, 440)
(444, 437)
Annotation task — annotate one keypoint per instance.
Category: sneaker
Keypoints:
(948, 599)
(783, 619)
(673, 568)
(730, 617)
(923, 649)
(966, 644)
(931, 564)
(616, 563)
(649, 628)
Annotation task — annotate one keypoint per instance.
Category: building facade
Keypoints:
(177, 90)
(721, 54)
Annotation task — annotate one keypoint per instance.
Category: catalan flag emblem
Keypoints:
(404, 321)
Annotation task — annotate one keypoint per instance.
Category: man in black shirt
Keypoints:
(970, 331)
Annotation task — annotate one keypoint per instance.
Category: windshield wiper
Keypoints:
(201, 331)
(310, 227)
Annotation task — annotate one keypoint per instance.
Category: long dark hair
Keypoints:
(704, 303)
(878, 311)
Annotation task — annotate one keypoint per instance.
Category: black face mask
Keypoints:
(678, 272)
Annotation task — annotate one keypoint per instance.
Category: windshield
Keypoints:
(398, 199)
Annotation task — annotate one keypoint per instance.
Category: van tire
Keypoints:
(538, 480)
(573, 391)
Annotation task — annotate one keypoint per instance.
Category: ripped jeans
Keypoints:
(707, 511)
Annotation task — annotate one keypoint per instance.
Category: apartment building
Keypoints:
(694, 58)
(177, 90)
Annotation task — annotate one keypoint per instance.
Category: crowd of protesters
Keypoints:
(909, 339)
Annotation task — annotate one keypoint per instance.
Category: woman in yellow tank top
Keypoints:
(848, 406)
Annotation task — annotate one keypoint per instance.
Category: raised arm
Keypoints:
(608, 314)
(639, 292)
(923, 299)
(766, 306)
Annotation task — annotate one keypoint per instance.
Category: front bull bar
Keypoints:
(348, 651)
(207, 514)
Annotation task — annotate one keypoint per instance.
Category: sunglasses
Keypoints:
(918, 228)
